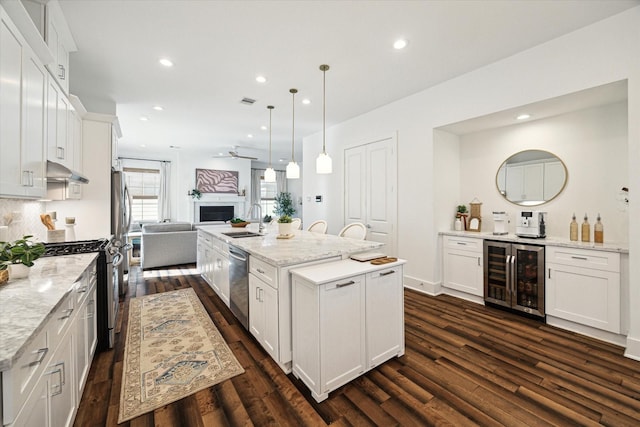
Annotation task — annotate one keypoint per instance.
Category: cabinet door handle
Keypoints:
(61, 72)
(478, 261)
(386, 273)
(581, 258)
(42, 352)
(549, 273)
(261, 292)
(461, 243)
(82, 290)
(258, 294)
(259, 270)
(60, 151)
(342, 285)
(67, 314)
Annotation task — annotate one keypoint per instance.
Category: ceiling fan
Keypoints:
(234, 154)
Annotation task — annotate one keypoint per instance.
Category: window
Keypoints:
(144, 187)
(268, 192)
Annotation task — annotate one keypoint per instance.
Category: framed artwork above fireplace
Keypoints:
(217, 181)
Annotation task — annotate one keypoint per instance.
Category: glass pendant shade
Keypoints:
(324, 164)
(270, 175)
(293, 170)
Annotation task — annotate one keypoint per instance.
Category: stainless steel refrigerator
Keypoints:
(120, 222)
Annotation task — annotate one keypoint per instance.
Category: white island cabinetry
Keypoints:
(347, 317)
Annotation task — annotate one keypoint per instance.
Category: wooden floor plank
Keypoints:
(464, 364)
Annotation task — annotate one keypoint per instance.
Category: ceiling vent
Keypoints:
(247, 101)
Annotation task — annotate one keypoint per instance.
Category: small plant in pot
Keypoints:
(19, 255)
(284, 225)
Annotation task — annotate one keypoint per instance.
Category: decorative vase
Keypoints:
(284, 228)
(18, 271)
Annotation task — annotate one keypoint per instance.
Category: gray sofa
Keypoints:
(168, 243)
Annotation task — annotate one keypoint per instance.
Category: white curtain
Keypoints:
(281, 181)
(164, 199)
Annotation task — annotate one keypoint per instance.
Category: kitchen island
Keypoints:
(269, 286)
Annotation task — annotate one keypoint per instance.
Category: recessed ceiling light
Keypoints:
(220, 154)
(282, 160)
(306, 101)
(175, 147)
(144, 118)
(400, 44)
(143, 146)
(166, 62)
(261, 79)
(158, 108)
(263, 127)
(523, 117)
(249, 136)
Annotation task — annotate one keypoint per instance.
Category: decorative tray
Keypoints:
(240, 224)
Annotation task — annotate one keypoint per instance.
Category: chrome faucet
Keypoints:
(261, 225)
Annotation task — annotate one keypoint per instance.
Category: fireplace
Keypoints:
(216, 213)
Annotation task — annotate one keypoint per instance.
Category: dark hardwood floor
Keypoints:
(465, 364)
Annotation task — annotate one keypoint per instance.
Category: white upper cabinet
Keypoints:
(22, 118)
(60, 43)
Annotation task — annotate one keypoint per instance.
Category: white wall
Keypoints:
(601, 53)
(592, 144)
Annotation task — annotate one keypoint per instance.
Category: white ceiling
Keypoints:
(219, 47)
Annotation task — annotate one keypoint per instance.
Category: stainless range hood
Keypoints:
(57, 172)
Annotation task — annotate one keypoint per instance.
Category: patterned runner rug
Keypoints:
(173, 349)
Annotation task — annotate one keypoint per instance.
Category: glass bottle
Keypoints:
(573, 229)
(598, 231)
(586, 229)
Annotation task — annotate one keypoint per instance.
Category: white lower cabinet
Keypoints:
(583, 286)
(220, 267)
(463, 265)
(263, 315)
(347, 318)
(45, 384)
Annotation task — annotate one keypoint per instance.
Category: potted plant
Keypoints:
(284, 225)
(461, 217)
(195, 194)
(19, 255)
(284, 204)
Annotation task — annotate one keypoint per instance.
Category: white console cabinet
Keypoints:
(583, 286)
(463, 265)
(347, 317)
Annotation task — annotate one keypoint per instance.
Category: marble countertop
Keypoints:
(546, 241)
(26, 304)
(303, 247)
(339, 270)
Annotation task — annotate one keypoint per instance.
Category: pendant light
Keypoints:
(270, 174)
(293, 170)
(323, 162)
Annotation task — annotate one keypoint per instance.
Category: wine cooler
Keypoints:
(514, 276)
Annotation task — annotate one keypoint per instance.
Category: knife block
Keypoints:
(55, 236)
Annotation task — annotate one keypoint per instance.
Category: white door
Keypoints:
(371, 189)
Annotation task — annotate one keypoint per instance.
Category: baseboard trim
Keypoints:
(632, 350)
(429, 288)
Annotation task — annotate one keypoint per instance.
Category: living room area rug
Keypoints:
(172, 350)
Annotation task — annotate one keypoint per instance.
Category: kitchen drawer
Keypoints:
(463, 243)
(585, 258)
(83, 287)
(221, 246)
(205, 237)
(61, 319)
(18, 381)
(266, 272)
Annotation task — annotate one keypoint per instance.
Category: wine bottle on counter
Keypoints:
(573, 229)
(598, 231)
(586, 230)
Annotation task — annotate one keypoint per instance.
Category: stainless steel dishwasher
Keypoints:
(239, 284)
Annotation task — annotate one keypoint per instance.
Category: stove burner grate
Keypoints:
(77, 247)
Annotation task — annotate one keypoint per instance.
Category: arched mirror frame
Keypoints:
(519, 153)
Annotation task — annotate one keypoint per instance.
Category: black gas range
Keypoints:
(107, 300)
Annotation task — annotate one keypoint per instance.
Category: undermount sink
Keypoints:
(237, 234)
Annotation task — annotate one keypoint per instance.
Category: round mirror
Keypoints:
(531, 177)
